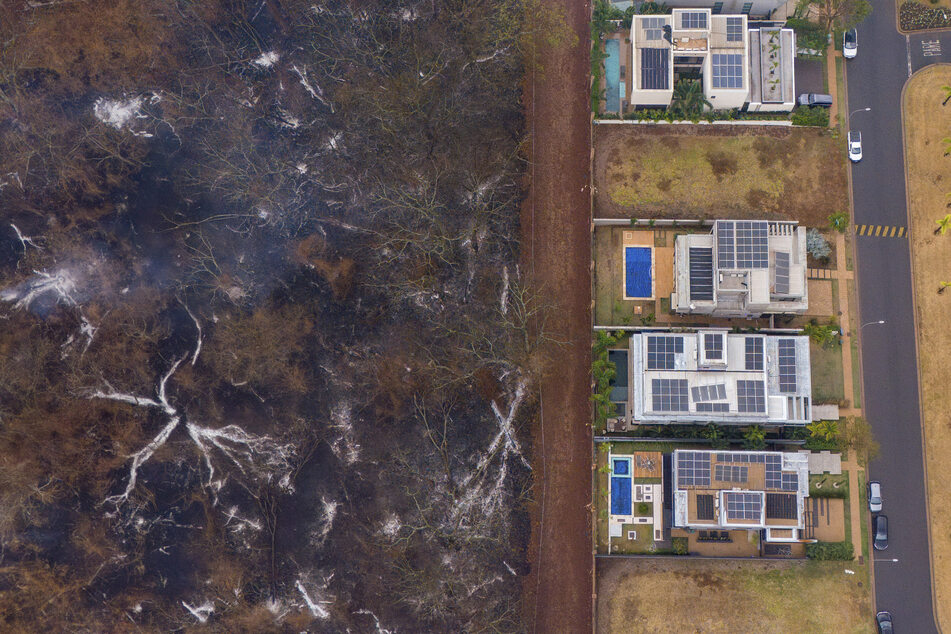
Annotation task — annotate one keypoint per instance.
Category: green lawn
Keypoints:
(827, 378)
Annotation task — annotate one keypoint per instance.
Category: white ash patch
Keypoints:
(391, 526)
(118, 112)
(325, 522)
(266, 60)
(201, 612)
(315, 595)
(345, 446)
(60, 285)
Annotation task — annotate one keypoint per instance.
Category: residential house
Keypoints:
(713, 376)
(742, 490)
(743, 268)
(739, 67)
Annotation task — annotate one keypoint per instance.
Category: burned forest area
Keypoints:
(267, 359)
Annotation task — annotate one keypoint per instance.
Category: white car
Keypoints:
(874, 496)
(850, 44)
(855, 146)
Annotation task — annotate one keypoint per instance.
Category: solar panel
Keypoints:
(693, 20)
(750, 396)
(661, 351)
(754, 353)
(740, 457)
(774, 475)
(781, 506)
(653, 28)
(726, 256)
(743, 506)
(789, 481)
(713, 346)
(655, 68)
(693, 468)
(782, 272)
(705, 507)
(731, 473)
(752, 244)
(787, 365)
(713, 407)
(727, 70)
(701, 273)
(669, 395)
(734, 29)
(709, 392)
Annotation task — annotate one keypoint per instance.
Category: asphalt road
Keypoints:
(875, 79)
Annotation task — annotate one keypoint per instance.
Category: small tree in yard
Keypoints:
(943, 286)
(839, 221)
(688, 100)
(754, 438)
(947, 94)
(943, 225)
(824, 429)
(836, 14)
(817, 245)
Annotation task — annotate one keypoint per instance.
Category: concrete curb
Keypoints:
(914, 309)
(785, 124)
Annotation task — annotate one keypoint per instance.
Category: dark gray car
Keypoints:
(881, 532)
(815, 99)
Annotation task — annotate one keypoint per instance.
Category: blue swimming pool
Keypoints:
(622, 466)
(620, 495)
(637, 272)
(612, 76)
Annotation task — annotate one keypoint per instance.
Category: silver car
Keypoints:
(874, 496)
(855, 146)
(850, 44)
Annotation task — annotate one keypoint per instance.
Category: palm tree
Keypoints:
(943, 286)
(754, 438)
(688, 101)
(943, 225)
(824, 429)
(947, 94)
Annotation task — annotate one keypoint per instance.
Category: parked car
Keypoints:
(850, 44)
(855, 146)
(884, 620)
(815, 99)
(881, 532)
(875, 496)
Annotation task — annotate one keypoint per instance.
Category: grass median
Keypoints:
(927, 122)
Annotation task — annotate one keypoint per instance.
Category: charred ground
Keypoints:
(265, 355)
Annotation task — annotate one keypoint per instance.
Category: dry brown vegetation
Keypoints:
(701, 171)
(926, 124)
(679, 595)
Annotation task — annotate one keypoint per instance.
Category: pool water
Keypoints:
(637, 272)
(620, 495)
(621, 467)
(612, 76)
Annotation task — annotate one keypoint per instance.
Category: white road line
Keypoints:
(886, 561)
(908, 53)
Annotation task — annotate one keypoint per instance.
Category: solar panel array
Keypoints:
(705, 507)
(742, 244)
(782, 272)
(727, 70)
(750, 396)
(776, 479)
(669, 395)
(743, 506)
(781, 506)
(653, 28)
(740, 457)
(734, 29)
(708, 392)
(693, 468)
(754, 353)
(713, 346)
(787, 365)
(701, 273)
(655, 65)
(693, 20)
(661, 351)
(731, 473)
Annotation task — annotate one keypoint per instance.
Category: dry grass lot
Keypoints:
(926, 123)
(678, 595)
(702, 171)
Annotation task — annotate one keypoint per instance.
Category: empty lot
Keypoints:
(683, 595)
(704, 171)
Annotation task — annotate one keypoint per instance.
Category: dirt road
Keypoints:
(557, 248)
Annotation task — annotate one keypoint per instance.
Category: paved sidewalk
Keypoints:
(855, 509)
(833, 87)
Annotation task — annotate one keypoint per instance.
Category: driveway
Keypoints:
(875, 79)
(809, 76)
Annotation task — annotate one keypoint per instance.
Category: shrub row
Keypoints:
(830, 551)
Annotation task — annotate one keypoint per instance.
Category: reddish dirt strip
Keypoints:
(556, 247)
